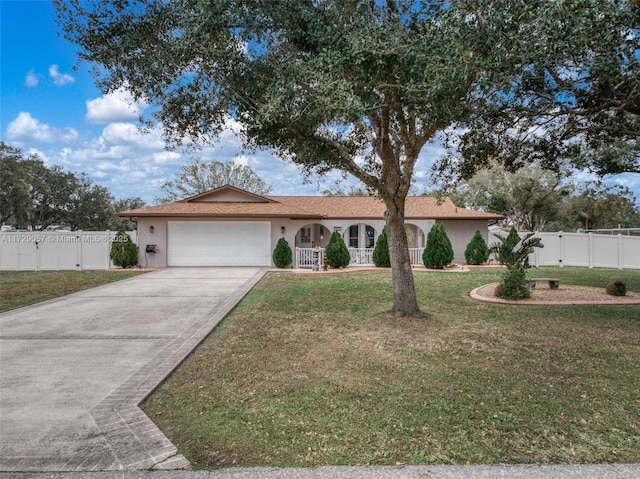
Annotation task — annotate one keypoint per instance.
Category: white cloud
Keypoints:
(130, 134)
(26, 128)
(32, 79)
(60, 78)
(166, 157)
(114, 107)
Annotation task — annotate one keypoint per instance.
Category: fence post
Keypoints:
(108, 246)
(80, 238)
(619, 251)
(560, 260)
(37, 255)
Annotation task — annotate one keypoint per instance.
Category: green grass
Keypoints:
(310, 370)
(22, 288)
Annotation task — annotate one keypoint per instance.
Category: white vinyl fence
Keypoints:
(57, 250)
(585, 249)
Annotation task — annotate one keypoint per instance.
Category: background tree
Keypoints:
(351, 190)
(529, 198)
(92, 206)
(37, 197)
(125, 204)
(17, 176)
(201, 176)
(600, 206)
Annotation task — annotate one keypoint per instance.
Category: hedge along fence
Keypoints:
(590, 250)
(57, 250)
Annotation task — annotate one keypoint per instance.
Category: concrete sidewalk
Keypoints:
(617, 471)
(73, 370)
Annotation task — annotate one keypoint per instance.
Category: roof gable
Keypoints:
(227, 194)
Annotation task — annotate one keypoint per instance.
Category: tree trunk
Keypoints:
(405, 302)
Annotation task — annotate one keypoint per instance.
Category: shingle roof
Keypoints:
(213, 205)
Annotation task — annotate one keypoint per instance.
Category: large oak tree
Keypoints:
(357, 86)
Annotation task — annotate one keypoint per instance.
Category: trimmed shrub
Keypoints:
(124, 252)
(617, 288)
(514, 284)
(477, 251)
(381, 251)
(438, 253)
(336, 252)
(282, 254)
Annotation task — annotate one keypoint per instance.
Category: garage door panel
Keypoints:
(219, 243)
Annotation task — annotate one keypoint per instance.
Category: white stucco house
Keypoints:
(232, 227)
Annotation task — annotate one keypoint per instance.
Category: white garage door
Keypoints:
(219, 243)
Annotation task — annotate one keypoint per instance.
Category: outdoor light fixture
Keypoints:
(321, 232)
(151, 229)
(282, 229)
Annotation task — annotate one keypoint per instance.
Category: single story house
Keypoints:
(228, 226)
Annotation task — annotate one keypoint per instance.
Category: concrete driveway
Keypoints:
(73, 370)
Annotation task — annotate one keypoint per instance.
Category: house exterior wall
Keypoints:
(460, 233)
(158, 238)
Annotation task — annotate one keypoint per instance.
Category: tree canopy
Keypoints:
(200, 176)
(573, 96)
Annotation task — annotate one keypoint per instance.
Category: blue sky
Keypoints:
(49, 109)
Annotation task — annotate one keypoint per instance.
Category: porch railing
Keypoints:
(359, 256)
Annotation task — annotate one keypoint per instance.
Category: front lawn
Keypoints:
(22, 288)
(310, 370)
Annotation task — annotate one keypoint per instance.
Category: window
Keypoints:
(305, 235)
(371, 237)
(353, 236)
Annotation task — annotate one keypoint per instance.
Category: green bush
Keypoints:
(282, 254)
(616, 288)
(477, 251)
(336, 252)
(124, 252)
(514, 284)
(438, 253)
(381, 251)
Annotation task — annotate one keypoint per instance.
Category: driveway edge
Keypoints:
(136, 442)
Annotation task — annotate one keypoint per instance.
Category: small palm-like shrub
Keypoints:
(381, 251)
(617, 288)
(336, 252)
(515, 255)
(282, 254)
(438, 252)
(124, 252)
(477, 251)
